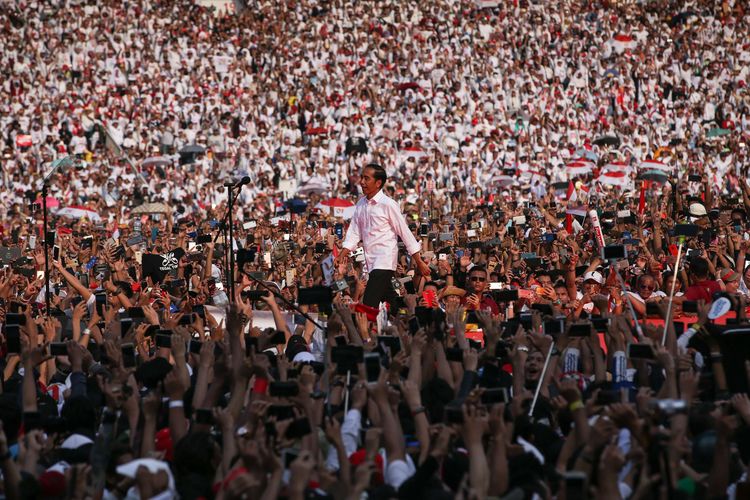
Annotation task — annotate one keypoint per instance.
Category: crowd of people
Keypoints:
(479, 249)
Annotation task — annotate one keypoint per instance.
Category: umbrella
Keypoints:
(611, 72)
(338, 207)
(313, 186)
(608, 140)
(192, 149)
(152, 208)
(296, 205)
(655, 175)
(718, 132)
(583, 153)
(51, 202)
(613, 178)
(616, 166)
(156, 161)
(682, 17)
(503, 180)
(648, 165)
(78, 212)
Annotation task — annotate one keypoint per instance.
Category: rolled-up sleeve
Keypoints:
(398, 221)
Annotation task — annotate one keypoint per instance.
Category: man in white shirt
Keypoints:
(377, 221)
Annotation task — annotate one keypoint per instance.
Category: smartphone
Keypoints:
(187, 319)
(58, 349)
(413, 325)
(203, 239)
(283, 389)
(128, 355)
(163, 340)
(690, 306)
(695, 178)
(454, 354)
(494, 396)
(338, 230)
(299, 428)
(641, 351)
(56, 252)
(612, 252)
(200, 311)
(13, 338)
(453, 415)
(606, 397)
(575, 485)
(391, 342)
(135, 312)
(554, 327)
(204, 416)
(289, 457)
(15, 319)
(600, 324)
(254, 295)
(101, 300)
(279, 337)
(125, 324)
(250, 343)
(372, 366)
(424, 229)
(580, 330)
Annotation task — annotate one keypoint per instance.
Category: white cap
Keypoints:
(594, 276)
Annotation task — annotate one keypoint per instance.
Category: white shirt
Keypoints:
(376, 223)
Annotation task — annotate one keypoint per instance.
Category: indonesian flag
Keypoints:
(23, 141)
(412, 152)
(580, 167)
(572, 193)
(623, 42)
(655, 164)
(616, 166)
(612, 178)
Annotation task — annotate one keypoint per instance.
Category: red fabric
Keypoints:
(703, 290)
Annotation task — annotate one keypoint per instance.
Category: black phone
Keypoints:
(580, 330)
(505, 295)
(203, 239)
(652, 309)
(614, 252)
(101, 301)
(315, 295)
(58, 349)
(641, 351)
(195, 346)
(125, 324)
(554, 327)
(575, 485)
(372, 366)
(135, 312)
(200, 310)
(454, 354)
(281, 412)
(254, 295)
(278, 337)
(695, 178)
(600, 324)
(299, 428)
(338, 230)
(128, 355)
(391, 342)
(424, 229)
(320, 248)
(250, 342)
(15, 319)
(606, 397)
(163, 340)
(187, 319)
(453, 415)
(204, 416)
(494, 396)
(283, 389)
(690, 306)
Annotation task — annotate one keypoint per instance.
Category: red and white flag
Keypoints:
(617, 179)
(657, 165)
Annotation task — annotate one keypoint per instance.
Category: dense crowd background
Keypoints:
(515, 370)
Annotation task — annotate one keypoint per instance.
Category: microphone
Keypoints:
(239, 183)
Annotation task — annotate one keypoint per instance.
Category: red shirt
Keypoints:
(703, 290)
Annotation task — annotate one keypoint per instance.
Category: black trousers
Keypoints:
(380, 289)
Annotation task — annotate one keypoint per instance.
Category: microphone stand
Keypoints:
(56, 165)
(285, 301)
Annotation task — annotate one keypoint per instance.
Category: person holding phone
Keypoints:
(476, 297)
(378, 223)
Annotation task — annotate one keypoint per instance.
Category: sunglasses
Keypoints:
(477, 278)
(646, 287)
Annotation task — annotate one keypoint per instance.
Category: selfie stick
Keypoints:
(56, 165)
(671, 292)
(541, 379)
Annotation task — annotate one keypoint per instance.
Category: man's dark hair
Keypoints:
(481, 269)
(699, 267)
(379, 171)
